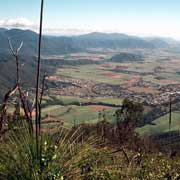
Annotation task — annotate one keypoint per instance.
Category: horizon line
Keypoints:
(76, 32)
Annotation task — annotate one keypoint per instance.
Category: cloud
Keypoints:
(66, 31)
(24, 23)
(18, 23)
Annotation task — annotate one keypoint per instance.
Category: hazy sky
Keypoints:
(139, 17)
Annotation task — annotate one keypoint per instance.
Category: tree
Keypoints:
(127, 119)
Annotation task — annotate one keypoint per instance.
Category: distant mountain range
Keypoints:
(61, 44)
(53, 45)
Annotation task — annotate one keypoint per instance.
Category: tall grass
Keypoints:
(62, 156)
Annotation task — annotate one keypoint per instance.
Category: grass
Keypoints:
(108, 100)
(161, 125)
(70, 99)
(76, 114)
(97, 74)
(62, 157)
(91, 73)
(71, 114)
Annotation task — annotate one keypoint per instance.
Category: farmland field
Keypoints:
(93, 77)
(154, 70)
(73, 115)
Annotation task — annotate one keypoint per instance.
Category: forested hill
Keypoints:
(62, 44)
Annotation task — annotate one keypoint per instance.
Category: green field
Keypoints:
(71, 99)
(64, 99)
(107, 72)
(108, 100)
(106, 75)
(71, 115)
(93, 73)
(162, 125)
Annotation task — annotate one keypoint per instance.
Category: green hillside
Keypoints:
(161, 125)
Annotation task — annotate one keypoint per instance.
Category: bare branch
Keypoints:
(15, 53)
(4, 107)
(124, 153)
(11, 48)
(33, 104)
(23, 97)
(8, 95)
(13, 91)
(18, 49)
(26, 108)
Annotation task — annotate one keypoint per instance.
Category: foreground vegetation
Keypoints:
(70, 154)
(103, 150)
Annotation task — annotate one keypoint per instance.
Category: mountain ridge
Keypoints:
(67, 44)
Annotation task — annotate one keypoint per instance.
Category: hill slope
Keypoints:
(62, 44)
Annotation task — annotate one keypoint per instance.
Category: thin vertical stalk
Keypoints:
(17, 70)
(170, 112)
(37, 121)
(40, 102)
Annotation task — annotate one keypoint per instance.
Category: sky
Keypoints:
(135, 17)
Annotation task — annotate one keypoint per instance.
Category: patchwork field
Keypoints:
(73, 115)
(156, 70)
(144, 81)
(93, 73)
